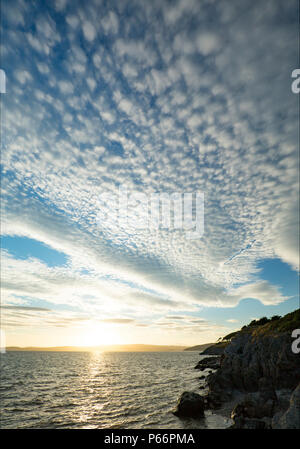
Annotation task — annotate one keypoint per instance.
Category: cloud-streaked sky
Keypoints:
(160, 97)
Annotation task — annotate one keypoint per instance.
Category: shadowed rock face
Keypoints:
(258, 366)
(258, 375)
(255, 407)
(256, 411)
(291, 418)
(209, 362)
(249, 358)
(190, 405)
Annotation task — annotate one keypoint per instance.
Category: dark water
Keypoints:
(98, 390)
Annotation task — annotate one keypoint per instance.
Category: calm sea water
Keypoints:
(98, 390)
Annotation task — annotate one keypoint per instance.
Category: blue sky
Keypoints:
(160, 97)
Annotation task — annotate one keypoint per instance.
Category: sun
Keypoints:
(97, 334)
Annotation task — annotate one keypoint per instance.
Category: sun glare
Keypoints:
(98, 334)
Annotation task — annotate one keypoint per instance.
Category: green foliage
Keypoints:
(221, 344)
(264, 320)
(259, 322)
(275, 317)
(267, 326)
(229, 336)
(287, 323)
(277, 324)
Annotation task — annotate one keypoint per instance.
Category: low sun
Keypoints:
(97, 334)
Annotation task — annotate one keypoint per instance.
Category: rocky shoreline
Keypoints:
(256, 381)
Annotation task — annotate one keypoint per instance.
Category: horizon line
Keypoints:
(108, 346)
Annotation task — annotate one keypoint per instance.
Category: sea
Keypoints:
(99, 390)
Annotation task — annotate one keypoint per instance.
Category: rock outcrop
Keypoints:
(190, 405)
(254, 408)
(209, 362)
(259, 366)
(216, 349)
(248, 358)
(255, 411)
(257, 377)
(291, 418)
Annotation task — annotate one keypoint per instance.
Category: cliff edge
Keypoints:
(256, 374)
(259, 366)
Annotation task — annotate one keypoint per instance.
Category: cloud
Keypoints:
(118, 320)
(264, 291)
(60, 5)
(65, 87)
(89, 31)
(166, 106)
(208, 43)
(72, 21)
(110, 23)
(26, 308)
(34, 318)
(286, 235)
(23, 76)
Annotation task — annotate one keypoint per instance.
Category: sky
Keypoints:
(160, 97)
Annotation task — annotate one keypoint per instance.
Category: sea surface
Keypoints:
(87, 390)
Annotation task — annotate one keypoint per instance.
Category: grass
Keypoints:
(267, 326)
(287, 323)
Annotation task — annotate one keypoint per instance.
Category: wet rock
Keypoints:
(190, 405)
(246, 423)
(291, 418)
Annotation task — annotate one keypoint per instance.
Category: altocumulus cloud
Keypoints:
(147, 95)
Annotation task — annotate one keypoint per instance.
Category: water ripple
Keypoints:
(97, 390)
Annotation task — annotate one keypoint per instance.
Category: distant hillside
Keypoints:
(108, 348)
(198, 347)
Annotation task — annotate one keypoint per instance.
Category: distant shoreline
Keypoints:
(104, 348)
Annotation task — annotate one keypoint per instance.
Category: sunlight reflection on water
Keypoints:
(98, 390)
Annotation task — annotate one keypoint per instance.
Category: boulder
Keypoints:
(190, 405)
